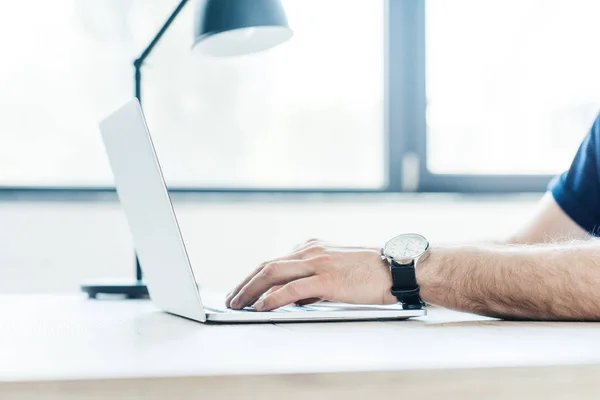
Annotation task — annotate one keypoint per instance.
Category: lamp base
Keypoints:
(130, 290)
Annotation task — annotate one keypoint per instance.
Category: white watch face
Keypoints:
(407, 246)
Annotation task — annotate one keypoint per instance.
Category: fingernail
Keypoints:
(235, 303)
(259, 305)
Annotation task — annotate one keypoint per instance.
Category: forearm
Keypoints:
(553, 282)
(549, 224)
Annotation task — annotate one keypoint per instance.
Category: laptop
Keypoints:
(159, 244)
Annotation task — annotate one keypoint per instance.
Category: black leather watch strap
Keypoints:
(405, 286)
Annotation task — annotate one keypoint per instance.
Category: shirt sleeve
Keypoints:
(577, 190)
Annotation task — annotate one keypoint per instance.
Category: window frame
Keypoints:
(410, 41)
(405, 154)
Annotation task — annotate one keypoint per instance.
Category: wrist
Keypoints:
(386, 295)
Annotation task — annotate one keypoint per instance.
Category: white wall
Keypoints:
(54, 246)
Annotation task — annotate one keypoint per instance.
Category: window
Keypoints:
(512, 85)
(309, 113)
(375, 95)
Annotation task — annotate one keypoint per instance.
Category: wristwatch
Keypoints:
(402, 253)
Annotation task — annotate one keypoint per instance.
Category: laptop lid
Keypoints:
(144, 198)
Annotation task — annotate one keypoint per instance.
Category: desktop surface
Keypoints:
(68, 343)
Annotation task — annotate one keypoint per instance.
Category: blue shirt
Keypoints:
(577, 190)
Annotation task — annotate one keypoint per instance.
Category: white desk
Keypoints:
(55, 347)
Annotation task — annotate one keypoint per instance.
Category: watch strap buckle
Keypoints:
(410, 298)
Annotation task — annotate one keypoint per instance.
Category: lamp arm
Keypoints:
(138, 62)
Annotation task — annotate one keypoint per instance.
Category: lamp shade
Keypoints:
(237, 27)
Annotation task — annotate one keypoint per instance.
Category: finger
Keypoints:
(243, 283)
(292, 292)
(275, 273)
(273, 289)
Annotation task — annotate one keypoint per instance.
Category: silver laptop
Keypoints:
(159, 245)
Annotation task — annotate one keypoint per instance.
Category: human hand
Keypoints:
(316, 270)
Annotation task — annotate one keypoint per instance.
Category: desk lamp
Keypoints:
(222, 28)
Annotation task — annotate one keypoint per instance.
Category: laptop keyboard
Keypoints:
(288, 308)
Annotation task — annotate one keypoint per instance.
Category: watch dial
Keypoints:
(406, 246)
